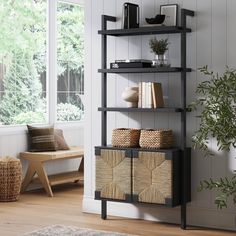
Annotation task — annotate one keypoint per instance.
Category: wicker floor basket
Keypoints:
(10, 179)
(150, 138)
(125, 137)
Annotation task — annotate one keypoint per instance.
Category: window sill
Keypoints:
(22, 129)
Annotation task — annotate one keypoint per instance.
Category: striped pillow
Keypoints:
(41, 138)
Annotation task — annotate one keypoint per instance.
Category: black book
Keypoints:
(133, 60)
(118, 65)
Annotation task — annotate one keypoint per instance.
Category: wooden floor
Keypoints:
(35, 210)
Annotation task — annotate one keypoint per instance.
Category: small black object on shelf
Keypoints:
(159, 19)
(139, 63)
(130, 17)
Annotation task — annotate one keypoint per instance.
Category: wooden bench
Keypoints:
(36, 166)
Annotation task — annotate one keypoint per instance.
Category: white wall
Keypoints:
(14, 140)
(212, 42)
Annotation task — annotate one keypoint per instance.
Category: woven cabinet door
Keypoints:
(113, 175)
(153, 177)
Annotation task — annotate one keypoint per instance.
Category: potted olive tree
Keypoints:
(217, 97)
(159, 47)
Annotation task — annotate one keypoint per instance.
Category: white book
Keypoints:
(149, 95)
(146, 95)
(140, 95)
(143, 94)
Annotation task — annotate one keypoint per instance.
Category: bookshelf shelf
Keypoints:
(145, 31)
(125, 109)
(181, 156)
(145, 70)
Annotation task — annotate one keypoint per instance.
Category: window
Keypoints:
(22, 62)
(70, 61)
(24, 90)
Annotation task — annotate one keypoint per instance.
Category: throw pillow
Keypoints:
(41, 138)
(60, 140)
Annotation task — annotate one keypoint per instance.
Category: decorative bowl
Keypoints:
(159, 19)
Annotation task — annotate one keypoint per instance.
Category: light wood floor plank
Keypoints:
(35, 210)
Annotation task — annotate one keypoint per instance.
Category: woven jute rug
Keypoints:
(64, 230)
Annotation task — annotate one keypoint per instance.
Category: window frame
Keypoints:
(51, 73)
(52, 61)
(81, 3)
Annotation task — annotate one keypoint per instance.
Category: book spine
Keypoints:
(157, 94)
(140, 95)
(154, 96)
(146, 96)
(149, 95)
(143, 95)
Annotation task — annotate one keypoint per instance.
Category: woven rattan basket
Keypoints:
(10, 179)
(122, 137)
(150, 138)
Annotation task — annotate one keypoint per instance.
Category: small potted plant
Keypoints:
(159, 47)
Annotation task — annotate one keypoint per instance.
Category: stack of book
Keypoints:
(150, 95)
(134, 63)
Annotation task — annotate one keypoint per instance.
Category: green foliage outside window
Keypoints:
(69, 112)
(28, 117)
(22, 90)
(23, 55)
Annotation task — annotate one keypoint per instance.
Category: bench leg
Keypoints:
(80, 169)
(43, 178)
(28, 177)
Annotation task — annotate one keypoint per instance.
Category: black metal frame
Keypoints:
(184, 190)
(185, 165)
(104, 20)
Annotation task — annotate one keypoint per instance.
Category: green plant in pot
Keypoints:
(217, 98)
(159, 47)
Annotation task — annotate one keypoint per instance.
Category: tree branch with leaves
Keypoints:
(217, 98)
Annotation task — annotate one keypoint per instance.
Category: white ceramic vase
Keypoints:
(130, 95)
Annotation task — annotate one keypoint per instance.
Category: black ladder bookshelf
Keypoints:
(185, 190)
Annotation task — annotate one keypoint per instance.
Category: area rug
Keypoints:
(64, 230)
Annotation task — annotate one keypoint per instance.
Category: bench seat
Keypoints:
(36, 166)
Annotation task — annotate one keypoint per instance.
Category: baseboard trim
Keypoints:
(196, 216)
